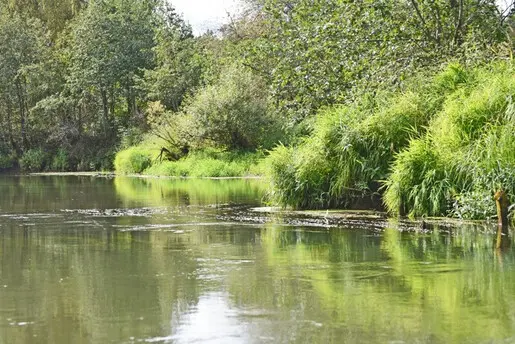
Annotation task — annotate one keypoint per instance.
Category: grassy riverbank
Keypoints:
(439, 148)
(203, 163)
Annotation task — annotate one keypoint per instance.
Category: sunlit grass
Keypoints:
(352, 147)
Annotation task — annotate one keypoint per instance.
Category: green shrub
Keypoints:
(233, 112)
(60, 161)
(209, 163)
(476, 204)
(6, 162)
(32, 160)
(133, 160)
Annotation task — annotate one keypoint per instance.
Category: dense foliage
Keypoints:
(466, 154)
(442, 148)
(316, 53)
(351, 148)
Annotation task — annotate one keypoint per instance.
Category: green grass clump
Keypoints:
(351, 148)
(282, 169)
(134, 160)
(421, 182)
(467, 153)
(209, 163)
(60, 161)
(33, 160)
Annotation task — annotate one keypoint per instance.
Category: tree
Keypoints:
(24, 48)
(316, 52)
(179, 62)
(111, 44)
(54, 14)
(232, 112)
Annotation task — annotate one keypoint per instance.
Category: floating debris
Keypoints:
(118, 212)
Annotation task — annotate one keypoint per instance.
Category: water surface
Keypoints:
(124, 260)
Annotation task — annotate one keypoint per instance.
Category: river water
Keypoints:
(96, 260)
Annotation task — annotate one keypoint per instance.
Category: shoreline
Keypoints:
(114, 174)
(327, 214)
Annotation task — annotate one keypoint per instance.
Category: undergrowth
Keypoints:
(352, 147)
(441, 147)
(208, 162)
(467, 154)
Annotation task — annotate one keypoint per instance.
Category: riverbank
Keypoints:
(442, 147)
(355, 218)
(210, 162)
(136, 187)
(133, 175)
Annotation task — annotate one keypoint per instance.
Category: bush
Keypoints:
(60, 161)
(133, 160)
(6, 162)
(232, 112)
(32, 160)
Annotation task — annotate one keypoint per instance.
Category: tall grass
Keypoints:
(422, 182)
(208, 162)
(467, 153)
(351, 147)
(134, 160)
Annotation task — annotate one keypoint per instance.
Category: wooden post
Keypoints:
(502, 203)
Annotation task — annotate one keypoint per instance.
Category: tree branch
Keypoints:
(422, 20)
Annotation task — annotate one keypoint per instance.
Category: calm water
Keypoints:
(95, 260)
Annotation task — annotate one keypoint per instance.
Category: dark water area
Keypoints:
(126, 260)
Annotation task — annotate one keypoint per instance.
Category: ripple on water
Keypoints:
(27, 217)
(21, 323)
(167, 339)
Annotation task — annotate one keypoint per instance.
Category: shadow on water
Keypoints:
(181, 261)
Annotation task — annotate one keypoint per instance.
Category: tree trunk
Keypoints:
(112, 104)
(502, 203)
(10, 126)
(21, 109)
(105, 110)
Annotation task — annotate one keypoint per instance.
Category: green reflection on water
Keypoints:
(166, 192)
(92, 277)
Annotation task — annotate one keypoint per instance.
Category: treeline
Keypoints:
(78, 77)
(344, 87)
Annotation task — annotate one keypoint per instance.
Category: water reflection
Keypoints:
(212, 320)
(131, 267)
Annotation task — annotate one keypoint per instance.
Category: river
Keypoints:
(125, 260)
